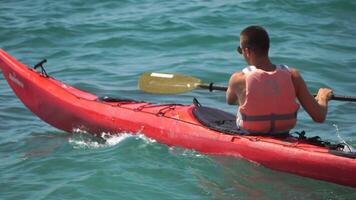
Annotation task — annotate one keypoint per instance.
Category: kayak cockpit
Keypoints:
(216, 119)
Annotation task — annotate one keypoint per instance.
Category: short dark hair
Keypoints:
(256, 38)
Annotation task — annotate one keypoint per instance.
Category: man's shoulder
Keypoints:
(295, 72)
(238, 76)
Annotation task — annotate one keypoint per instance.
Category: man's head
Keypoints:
(255, 38)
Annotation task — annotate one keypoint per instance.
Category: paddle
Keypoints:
(165, 83)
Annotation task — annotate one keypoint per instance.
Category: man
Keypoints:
(266, 92)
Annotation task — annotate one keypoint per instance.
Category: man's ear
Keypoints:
(247, 52)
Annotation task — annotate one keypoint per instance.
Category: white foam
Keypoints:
(82, 139)
(86, 141)
(185, 152)
(348, 147)
(144, 138)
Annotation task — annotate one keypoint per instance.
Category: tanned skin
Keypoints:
(315, 107)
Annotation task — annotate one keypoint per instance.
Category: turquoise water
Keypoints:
(104, 46)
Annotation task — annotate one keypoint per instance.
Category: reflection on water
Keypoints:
(43, 144)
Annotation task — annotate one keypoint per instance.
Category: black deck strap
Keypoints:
(316, 140)
(336, 149)
(115, 99)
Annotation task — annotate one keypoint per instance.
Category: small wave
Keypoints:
(188, 153)
(84, 140)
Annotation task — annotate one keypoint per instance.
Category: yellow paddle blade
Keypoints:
(164, 83)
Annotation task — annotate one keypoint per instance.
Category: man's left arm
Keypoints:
(231, 93)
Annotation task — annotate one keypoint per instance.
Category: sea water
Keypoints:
(104, 46)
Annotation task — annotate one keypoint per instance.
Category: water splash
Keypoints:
(87, 141)
(82, 139)
(347, 148)
(144, 138)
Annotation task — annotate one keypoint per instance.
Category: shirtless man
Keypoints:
(266, 92)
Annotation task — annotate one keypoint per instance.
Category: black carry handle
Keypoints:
(40, 64)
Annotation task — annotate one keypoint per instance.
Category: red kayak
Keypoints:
(203, 129)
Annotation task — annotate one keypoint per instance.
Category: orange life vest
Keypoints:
(269, 105)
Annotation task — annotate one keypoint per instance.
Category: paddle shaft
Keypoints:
(343, 98)
(212, 87)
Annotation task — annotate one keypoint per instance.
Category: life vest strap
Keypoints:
(271, 117)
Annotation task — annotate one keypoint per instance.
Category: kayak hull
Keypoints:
(69, 109)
